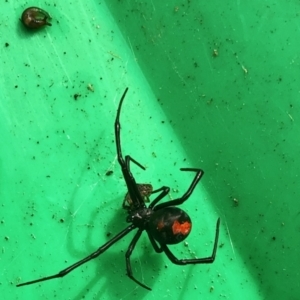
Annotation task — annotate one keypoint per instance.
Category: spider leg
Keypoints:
(144, 189)
(206, 260)
(128, 158)
(118, 139)
(165, 190)
(117, 131)
(155, 246)
(199, 174)
(86, 259)
(128, 254)
(128, 177)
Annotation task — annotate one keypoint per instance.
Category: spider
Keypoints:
(165, 223)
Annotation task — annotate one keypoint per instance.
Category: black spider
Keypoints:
(164, 223)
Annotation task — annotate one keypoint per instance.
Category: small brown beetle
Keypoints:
(34, 17)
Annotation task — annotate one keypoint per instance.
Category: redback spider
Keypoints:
(164, 223)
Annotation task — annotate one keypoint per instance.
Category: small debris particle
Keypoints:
(76, 96)
(90, 87)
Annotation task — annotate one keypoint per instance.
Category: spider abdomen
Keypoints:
(170, 225)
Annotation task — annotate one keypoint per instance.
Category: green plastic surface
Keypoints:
(212, 85)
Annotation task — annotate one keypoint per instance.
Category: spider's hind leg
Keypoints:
(205, 260)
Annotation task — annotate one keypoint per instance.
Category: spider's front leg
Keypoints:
(125, 164)
(118, 130)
